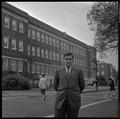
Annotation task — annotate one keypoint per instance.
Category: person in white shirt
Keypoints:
(43, 85)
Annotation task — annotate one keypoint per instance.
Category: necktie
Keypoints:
(67, 72)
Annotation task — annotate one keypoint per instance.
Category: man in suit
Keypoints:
(68, 82)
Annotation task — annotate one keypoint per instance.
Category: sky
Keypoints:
(69, 17)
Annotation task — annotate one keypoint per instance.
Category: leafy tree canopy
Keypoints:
(103, 20)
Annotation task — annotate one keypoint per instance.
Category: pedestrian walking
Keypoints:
(112, 86)
(69, 83)
(93, 83)
(96, 83)
(43, 85)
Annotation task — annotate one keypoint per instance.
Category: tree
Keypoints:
(103, 20)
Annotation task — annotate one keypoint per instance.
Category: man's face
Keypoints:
(68, 61)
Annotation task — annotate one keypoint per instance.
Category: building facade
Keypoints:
(106, 70)
(29, 45)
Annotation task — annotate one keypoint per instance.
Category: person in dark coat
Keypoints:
(69, 83)
(96, 83)
(112, 86)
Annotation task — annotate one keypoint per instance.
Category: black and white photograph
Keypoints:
(60, 59)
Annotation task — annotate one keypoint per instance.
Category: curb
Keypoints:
(94, 90)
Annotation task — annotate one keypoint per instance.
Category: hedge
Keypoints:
(15, 82)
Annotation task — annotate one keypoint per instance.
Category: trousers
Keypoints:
(66, 110)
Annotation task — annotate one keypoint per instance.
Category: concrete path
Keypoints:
(36, 91)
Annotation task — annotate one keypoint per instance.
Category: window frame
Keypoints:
(33, 34)
(13, 44)
(7, 22)
(21, 45)
(38, 51)
(14, 24)
(33, 51)
(7, 42)
(21, 27)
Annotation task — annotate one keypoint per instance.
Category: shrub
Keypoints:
(5, 73)
(101, 80)
(34, 81)
(15, 82)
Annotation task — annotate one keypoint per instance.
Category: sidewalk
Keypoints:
(36, 91)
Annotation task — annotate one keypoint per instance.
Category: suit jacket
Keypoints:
(69, 87)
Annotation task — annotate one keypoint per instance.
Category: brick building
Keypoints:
(29, 45)
(106, 70)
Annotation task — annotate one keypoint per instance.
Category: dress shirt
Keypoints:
(68, 70)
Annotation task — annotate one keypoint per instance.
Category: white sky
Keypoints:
(69, 17)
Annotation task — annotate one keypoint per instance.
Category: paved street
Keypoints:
(29, 104)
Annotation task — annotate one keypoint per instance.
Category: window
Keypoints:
(14, 24)
(57, 57)
(50, 54)
(79, 61)
(46, 38)
(33, 34)
(13, 64)
(50, 40)
(54, 56)
(85, 53)
(71, 48)
(42, 53)
(46, 53)
(61, 57)
(7, 20)
(21, 45)
(57, 42)
(33, 51)
(6, 42)
(38, 68)
(38, 36)
(5, 64)
(29, 35)
(38, 52)
(54, 42)
(75, 50)
(42, 37)
(33, 67)
(13, 46)
(28, 49)
(50, 69)
(20, 65)
(67, 47)
(21, 27)
(28, 64)
(74, 60)
(102, 72)
(62, 45)
(85, 63)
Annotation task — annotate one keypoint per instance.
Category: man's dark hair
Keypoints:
(43, 75)
(68, 54)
